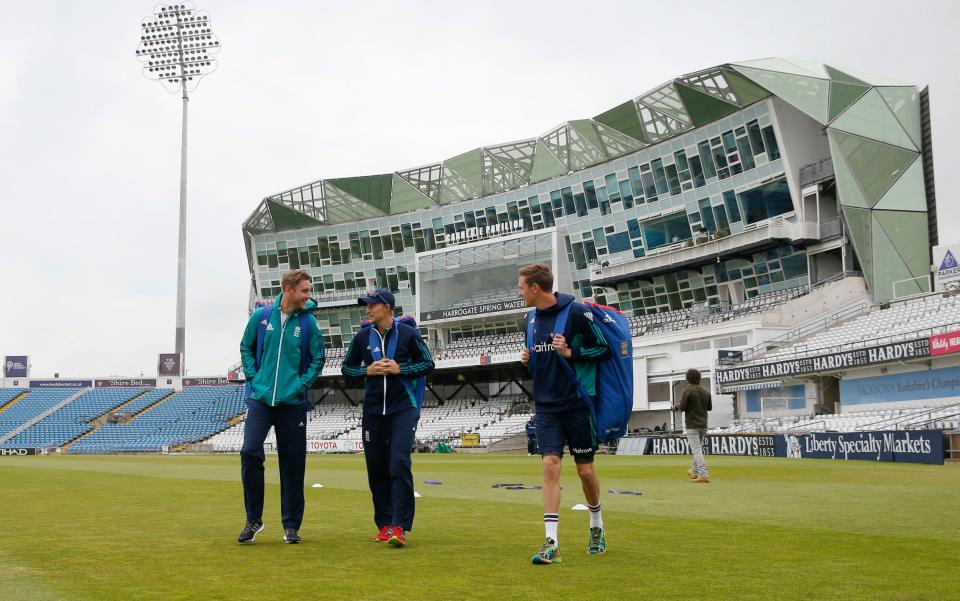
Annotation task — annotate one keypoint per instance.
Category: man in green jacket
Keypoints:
(695, 403)
(283, 354)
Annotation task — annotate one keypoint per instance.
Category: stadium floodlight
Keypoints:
(177, 48)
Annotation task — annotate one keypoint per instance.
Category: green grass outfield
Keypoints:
(164, 527)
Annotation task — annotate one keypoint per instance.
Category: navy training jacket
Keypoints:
(387, 394)
(553, 390)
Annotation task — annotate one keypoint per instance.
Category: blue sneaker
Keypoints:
(549, 553)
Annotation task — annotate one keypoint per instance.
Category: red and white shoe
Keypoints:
(396, 537)
(383, 536)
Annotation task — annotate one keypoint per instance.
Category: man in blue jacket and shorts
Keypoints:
(563, 417)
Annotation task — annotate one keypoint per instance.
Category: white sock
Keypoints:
(596, 520)
(551, 523)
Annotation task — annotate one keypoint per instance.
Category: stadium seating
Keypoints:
(37, 401)
(885, 419)
(73, 419)
(699, 316)
(487, 296)
(188, 416)
(930, 315)
(325, 421)
(472, 346)
(946, 417)
(8, 394)
(334, 357)
(639, 324)
(333, 421)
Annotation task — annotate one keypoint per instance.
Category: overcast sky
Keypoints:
(90, 149)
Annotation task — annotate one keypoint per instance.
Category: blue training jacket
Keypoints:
(387, 394)
(553, 390)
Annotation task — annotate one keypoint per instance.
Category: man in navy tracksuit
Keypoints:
(283, 354)
(390, 411)
(563, 417)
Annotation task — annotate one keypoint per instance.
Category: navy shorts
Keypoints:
(573, 428)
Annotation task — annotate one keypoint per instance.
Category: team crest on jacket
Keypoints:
(588, 315)
(296, 332)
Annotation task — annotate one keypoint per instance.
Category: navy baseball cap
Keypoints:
(378, 296)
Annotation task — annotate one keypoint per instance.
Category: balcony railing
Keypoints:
(831, 228)
(816, 172)
(706, 247)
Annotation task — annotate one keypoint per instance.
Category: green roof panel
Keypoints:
(872, 78)
(614, 142)
(812, 67)
(462, 177)
(624, 119)
(371, 189)
(909, 234)
(905, 104)
(848, 189)
(701, 107)
(586, 147)
(780, 65)
(406, 197)
(870, 117)
(468, 166)
(892, 276)
(516, 156)
(858, 224)
(746, 91)
(840, 76)
(874, 165)
(908, 193)
(545, 164)
(809, 95)
(285, 218)
(843, 95)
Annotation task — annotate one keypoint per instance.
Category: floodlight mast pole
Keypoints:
(181, 331)
(176, 44)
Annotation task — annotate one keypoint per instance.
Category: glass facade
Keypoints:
(696, 158)
(610, 211)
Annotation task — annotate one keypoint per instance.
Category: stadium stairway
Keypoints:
(165, 419)
(91, 409)
(97, 422)
(152, 397)
(12, 400)
(153, 403)
(43, 414)
(510, 444)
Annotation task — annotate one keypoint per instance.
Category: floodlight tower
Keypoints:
(177, 48)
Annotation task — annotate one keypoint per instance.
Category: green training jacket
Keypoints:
(278, 381)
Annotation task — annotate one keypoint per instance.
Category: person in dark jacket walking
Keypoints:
(390, 411)
(695, 402)
(531, 431)
(563, 417)
(277, 379)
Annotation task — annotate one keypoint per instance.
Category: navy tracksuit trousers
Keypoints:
(387, 446)
(290, 424)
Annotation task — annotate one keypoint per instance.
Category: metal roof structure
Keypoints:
(873, 124)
